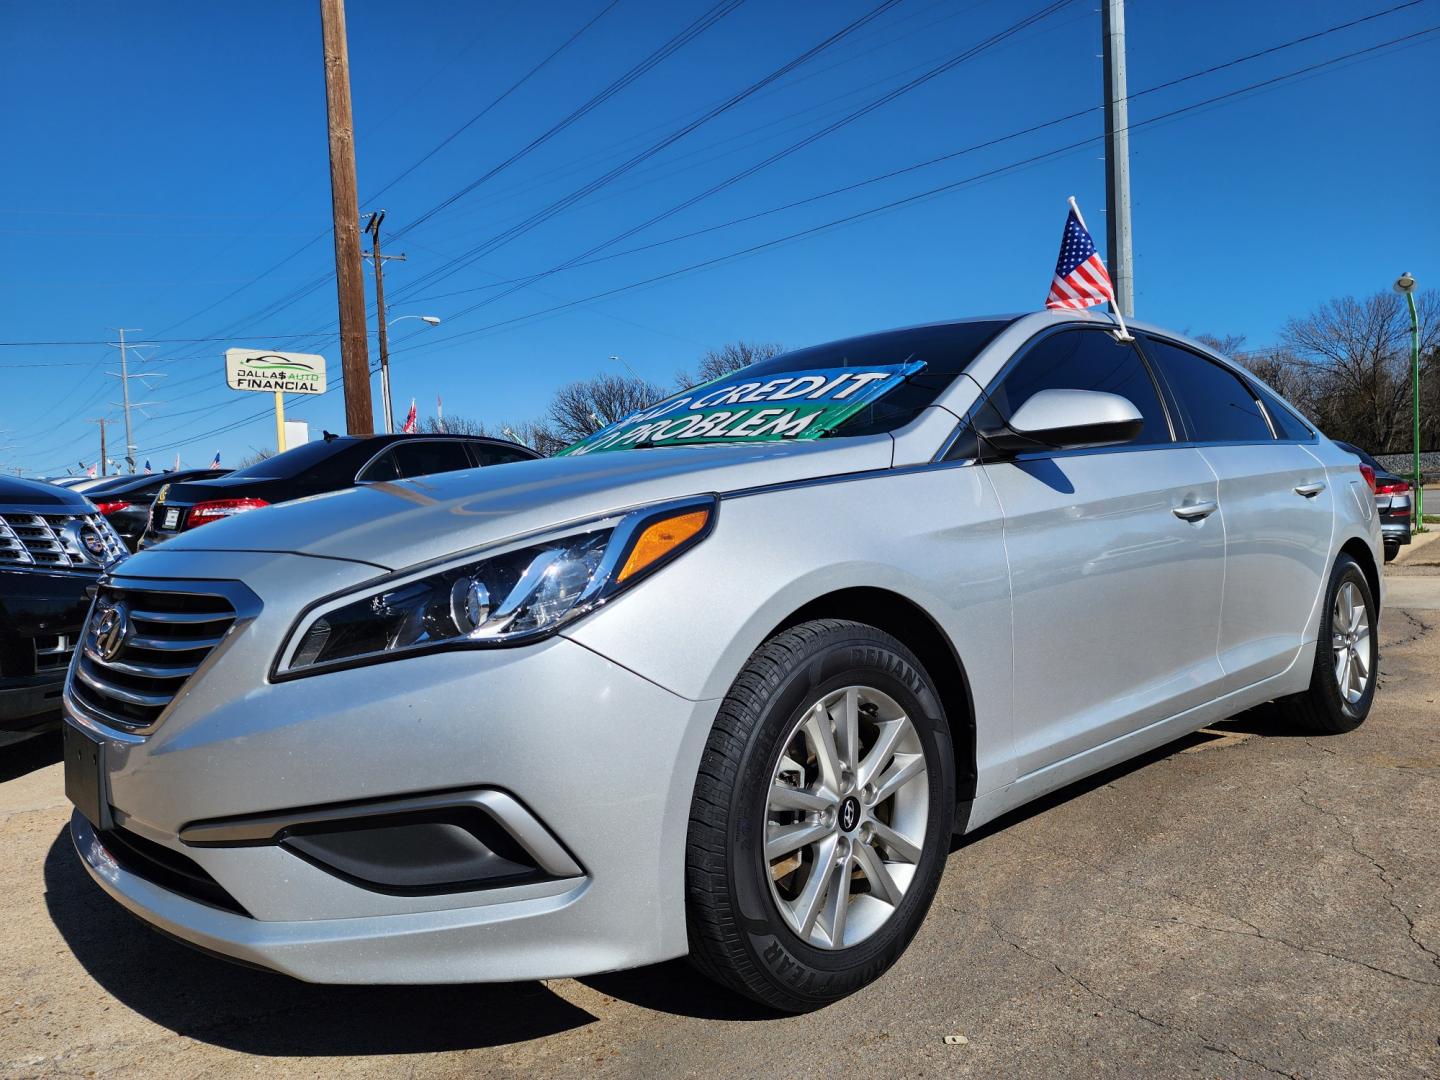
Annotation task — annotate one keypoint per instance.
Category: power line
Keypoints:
(1220, 99)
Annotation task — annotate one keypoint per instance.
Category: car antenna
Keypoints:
(329, 436)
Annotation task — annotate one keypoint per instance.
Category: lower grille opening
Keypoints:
(454, 849)
(168, 869)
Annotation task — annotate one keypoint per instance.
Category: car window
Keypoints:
(1216, 404)
(1288, 423)
(1072, 360)
(426, 456)
(499, 455)
(382, 468)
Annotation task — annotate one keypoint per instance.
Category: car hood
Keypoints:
(400, 524)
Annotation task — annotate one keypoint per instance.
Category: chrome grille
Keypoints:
(52, 652)
(58, 541)
(139, 647)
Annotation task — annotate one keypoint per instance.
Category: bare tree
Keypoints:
(731, 357)
(1358, 353)
(535, 434)
(583, 408)
(453, 425)
(257, 454)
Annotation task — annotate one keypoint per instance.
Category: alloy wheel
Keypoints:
(846, 817)
(1350, 640)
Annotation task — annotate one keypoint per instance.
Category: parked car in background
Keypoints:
(327, 464)
(53, 546)
(651, 698)
(67, 481)
(125, 500)
(1393, 499)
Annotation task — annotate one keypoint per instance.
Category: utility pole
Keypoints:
(125, 375)
(1117, 157)
(349, 273)
(383, 331)
(102, 421)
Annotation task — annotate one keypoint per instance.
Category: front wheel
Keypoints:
(1347, 657)
(821, 816)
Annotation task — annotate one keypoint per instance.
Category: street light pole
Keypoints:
(1405, 286)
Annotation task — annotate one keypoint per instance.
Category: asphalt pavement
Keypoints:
(1242, 903)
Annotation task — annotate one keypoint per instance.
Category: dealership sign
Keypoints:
(739, 408)
(287, 373)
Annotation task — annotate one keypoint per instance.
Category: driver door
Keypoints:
(1117, 561)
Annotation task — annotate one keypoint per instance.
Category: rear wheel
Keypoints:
(1347, 657)
(1392, 549)
(821, 816)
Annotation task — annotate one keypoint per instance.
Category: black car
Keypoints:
(1392, 499)
(328, 464)
(125, 500)
(53, 546)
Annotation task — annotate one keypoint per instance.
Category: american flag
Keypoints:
(411, 420)
(216, 463)
(148, 470)
(1080, 276)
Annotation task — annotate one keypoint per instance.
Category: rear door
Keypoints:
(1116, 561)
(1275, 505)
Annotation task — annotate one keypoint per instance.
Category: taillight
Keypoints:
(108, 508)
(1369, 474)
(206, 512)
(1398, 488)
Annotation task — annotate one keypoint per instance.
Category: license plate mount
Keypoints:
(172, 518)
(85, 776)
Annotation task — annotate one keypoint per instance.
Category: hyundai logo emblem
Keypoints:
(112, 625)
(849, 814)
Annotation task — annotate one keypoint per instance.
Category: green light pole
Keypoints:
(1405, 286)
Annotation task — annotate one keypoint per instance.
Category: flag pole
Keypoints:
(1125, 334)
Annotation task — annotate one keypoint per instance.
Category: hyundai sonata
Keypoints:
(722, 679)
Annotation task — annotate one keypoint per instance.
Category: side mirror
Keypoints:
(1067, 420)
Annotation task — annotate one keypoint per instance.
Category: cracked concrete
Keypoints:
(1267, 905)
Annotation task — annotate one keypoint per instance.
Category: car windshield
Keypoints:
(923, 362)
(293, 462)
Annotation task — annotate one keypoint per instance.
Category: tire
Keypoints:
(763, 784)
(1391, 550)
(1323, 708)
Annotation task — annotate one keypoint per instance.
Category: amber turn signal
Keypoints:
(660, 539)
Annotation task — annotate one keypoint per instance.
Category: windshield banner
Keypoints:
(796, 405)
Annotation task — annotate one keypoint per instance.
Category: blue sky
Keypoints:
(162, 157)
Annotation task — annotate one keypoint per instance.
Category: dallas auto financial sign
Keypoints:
(288, 373)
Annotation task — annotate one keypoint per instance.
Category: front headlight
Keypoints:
(515, 595)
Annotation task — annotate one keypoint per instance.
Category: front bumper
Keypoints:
(30, 702)
(604, 759)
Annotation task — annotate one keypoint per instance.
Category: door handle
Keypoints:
(1309, 490)
(1195, 511)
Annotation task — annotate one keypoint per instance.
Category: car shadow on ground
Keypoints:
(39, 752)
(259, 1012)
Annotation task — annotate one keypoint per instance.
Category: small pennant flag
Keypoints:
(148, 470)
(89, 470)
(439, 413)
(177, 464)
(216, 463)
(1081, 279)
(411, 420)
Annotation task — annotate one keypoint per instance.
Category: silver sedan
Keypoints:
(724, 679)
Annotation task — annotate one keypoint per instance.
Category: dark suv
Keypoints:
(328, 464)
(53, 546)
